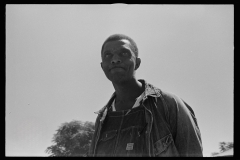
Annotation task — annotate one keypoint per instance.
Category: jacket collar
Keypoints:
(150, 90)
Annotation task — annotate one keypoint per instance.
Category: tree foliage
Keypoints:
(224, 146)
(72, 139)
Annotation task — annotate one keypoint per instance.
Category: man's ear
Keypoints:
(138, 62)
(101, 65)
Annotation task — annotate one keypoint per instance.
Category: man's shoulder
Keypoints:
(169, 97)
(176, 102)
(172, 99)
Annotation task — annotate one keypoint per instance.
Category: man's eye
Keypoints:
(107, 54)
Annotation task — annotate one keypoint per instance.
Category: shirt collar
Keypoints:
(150, 90)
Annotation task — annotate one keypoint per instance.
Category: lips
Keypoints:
(116, 68)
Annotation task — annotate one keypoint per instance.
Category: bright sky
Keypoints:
(53, 72)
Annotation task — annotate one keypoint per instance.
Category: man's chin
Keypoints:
(118, 79)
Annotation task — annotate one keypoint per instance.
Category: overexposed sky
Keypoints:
(53, 72)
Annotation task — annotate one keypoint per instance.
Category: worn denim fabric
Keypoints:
(172, 128)
(123, 134)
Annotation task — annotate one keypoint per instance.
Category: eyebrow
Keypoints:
(106, 52)
(124, 49)
(121, 50)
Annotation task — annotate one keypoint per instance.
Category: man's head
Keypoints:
(116, 37)
(119, 58)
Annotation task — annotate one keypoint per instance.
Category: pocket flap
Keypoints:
(162, 144)
(108, 135)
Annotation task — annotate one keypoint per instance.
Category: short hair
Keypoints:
(116, 37)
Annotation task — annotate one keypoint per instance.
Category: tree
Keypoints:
(224, 146)
(72, 139)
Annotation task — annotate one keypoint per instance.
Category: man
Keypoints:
(140, 119)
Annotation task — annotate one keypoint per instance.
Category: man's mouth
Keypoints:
(117, 69)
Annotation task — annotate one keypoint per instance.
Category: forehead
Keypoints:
(116, 45)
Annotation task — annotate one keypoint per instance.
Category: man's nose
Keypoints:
(115, 59)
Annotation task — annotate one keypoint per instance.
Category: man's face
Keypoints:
(119, 61)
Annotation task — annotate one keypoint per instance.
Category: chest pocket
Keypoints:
(105, 146)
(165, 147)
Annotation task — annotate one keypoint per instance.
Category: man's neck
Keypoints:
(128, 91)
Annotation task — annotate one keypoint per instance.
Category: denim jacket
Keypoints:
(172, 129)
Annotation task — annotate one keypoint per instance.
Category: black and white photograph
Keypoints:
(119, 80)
